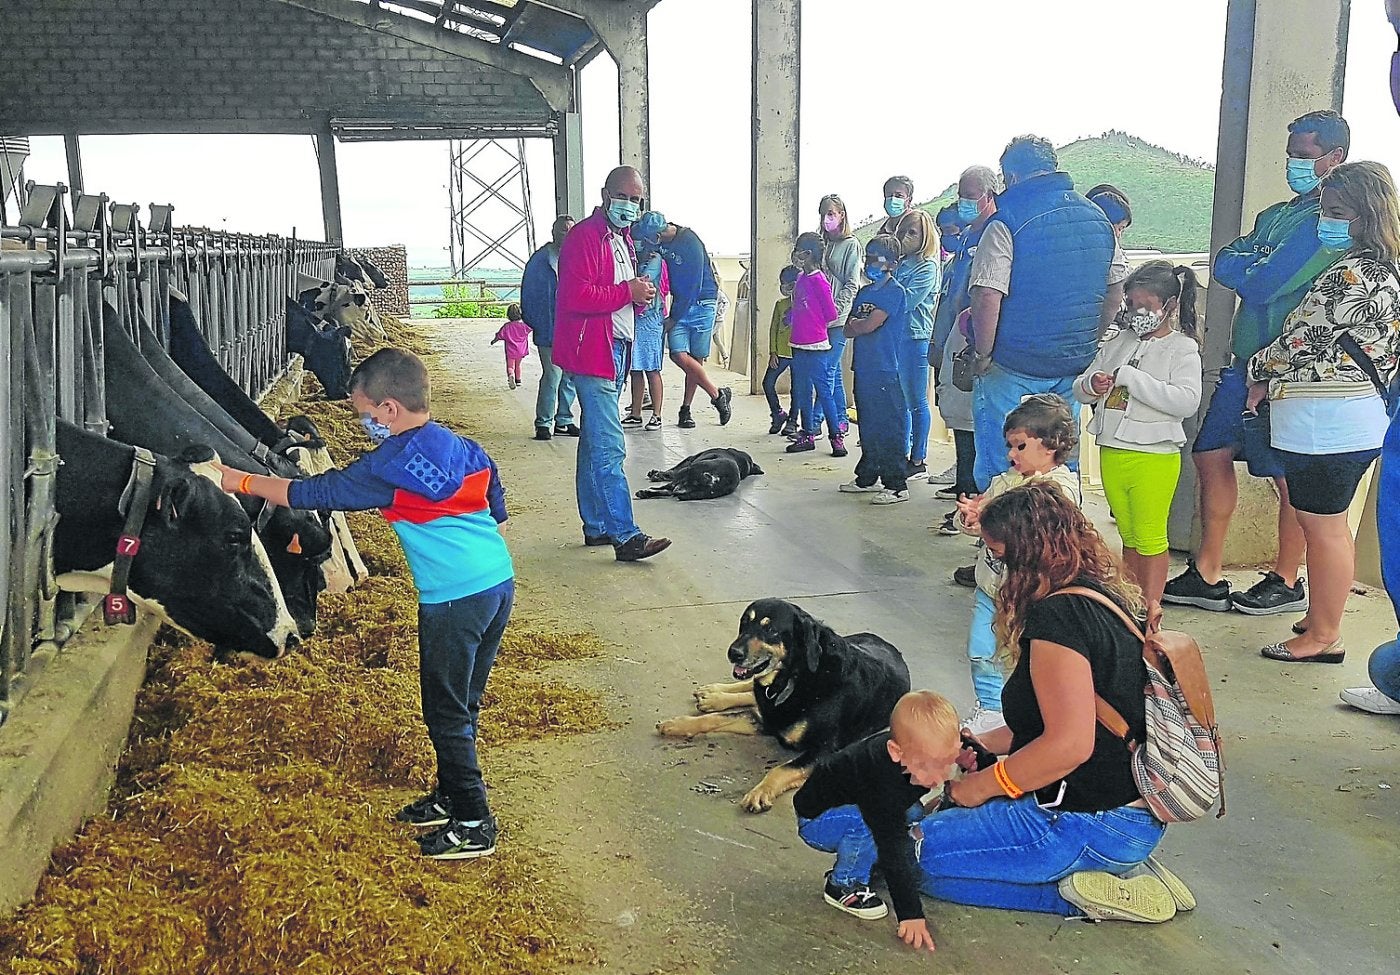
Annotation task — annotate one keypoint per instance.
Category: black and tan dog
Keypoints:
(801, 682)
(704, 476)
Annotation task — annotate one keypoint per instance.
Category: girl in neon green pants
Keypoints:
(1142, 384)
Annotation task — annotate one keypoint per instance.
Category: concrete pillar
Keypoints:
(330, 184)
(777, 85)
(75, 163)
(568, 166)
(1269, 80)
(626, 40)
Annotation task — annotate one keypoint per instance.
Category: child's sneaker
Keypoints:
(855, 487)
(983, 720)
(789, 431)
(510, 381)
(434, 809)
(457, 840)
(804, 442)
(916, 472)
(654, 423)
(779, 420)
(855, 899)
(631, 421)
(838, 446)
(950, 524)
(684, 420)
(890, 497)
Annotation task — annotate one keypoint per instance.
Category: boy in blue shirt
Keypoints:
(441, 494)
(879, 317)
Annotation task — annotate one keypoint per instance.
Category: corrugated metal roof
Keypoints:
(522, 25)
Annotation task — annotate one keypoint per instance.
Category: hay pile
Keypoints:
(250, 830)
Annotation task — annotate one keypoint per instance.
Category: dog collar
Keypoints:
(783, 695)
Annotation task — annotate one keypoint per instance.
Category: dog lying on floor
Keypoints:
(801, 682)
(709, 474)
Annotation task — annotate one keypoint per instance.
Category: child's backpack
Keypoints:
(1179, 769)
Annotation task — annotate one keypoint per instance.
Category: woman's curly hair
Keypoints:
(1050, 544)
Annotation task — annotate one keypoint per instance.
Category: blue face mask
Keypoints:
(623, 213)
(376, 431)
(1301, 177)
(1334, 233)
(876, 273)
(968, 210)
(894, 206)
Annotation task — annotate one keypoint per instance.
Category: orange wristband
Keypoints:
(245, 486)
(1004, 780)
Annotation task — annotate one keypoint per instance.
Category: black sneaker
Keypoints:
(778, 421)
(543, 433)
(568, 430)
(916, 472)
(949, 492)
(856, 899)
(457, 840)
(1191, 589)
(721, 404)
(966, 575)
(950, 525)
(1272, 595)
(684, 419)
(431, 810)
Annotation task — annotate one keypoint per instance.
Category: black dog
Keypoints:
(709, 474)
(801, 682)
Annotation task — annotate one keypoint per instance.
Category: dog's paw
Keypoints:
(674, 728)
(757, 800)
(708, 697)
(656, 475)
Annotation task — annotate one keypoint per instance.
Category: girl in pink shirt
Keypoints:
(516, 336)
(813, 310)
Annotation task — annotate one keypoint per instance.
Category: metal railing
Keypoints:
(56, 273)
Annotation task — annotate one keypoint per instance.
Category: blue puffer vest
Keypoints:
(1062, 249)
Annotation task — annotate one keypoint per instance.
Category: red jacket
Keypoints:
(587, 297)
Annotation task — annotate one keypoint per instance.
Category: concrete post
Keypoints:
(1269, 80)
(330, 184)
(626, 40)
(568, 166)
(777, 83)
(75, 163)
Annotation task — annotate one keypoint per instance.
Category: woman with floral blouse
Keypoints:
(1327, 378)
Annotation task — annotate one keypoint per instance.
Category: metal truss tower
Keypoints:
(488, 192)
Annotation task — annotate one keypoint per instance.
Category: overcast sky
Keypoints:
(1071, 69)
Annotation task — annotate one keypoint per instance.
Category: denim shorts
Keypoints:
(1226, 427)
(692, 333)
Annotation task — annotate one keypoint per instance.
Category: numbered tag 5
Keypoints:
(118, 608)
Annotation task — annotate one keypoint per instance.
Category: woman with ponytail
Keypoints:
(1143, 383)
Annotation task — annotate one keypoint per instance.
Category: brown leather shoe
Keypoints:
(595, 540)
(640, 547)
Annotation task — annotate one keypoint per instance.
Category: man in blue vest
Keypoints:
(554, 406)
(1044, 282)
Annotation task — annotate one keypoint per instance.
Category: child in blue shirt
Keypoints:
(879, 319)
(442, 495)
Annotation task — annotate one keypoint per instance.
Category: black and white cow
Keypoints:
(341, 304)
(144, 410)
(360, 269)
(324, 346)
(200, 567)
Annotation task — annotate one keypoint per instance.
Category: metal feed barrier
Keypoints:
(56, 272)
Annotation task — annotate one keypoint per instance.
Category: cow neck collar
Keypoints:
(117, 606)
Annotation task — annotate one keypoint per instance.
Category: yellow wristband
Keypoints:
(1004, 780)
(245, 486)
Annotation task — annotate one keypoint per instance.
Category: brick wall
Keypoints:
(393, 261)
(229, 65)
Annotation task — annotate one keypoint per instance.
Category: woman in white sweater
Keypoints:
(1143, 383)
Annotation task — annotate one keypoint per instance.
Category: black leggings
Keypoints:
(966, 446)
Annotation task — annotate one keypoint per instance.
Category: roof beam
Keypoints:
(550, 80)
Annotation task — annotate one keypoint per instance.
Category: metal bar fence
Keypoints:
(55, 275)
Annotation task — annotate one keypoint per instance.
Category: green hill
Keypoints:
(1171, 194)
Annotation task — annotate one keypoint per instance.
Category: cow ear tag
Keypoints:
(294, 546)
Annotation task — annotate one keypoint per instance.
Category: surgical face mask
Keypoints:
(376, 431)
(622, 213)
(876, 273)
(1302, 177)
(969, 210)
(1334, 233)
(1143, 322)
(831, 222)
(894, 206)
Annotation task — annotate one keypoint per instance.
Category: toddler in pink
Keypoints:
(516, 336)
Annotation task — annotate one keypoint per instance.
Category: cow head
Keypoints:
(298, 543)
(361, 269)
(326, 349)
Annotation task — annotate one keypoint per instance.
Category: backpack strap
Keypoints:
(1106, 713)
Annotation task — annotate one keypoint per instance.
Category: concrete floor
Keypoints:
(1302, 876)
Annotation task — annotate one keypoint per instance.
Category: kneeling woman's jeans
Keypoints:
(1011, 853)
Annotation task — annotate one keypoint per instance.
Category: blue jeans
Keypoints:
(1010, 853)
(457, 644)
(604, 502)
(997, 394)
(842, 830)
(1385, 668)
(913, 381)
(881, 449)
(770, 389)
(811, 383)
(554, 406)
(987, 678)
(836, 376)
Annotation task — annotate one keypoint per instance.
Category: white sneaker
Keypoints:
(890, 497)
(983, 720)
(510, 381)
(1370, 699)
(854, 487)
(947, 477)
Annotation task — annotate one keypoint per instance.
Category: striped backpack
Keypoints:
(1179, 769)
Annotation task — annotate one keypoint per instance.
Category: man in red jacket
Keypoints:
(594, 323)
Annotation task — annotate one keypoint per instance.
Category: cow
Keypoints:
(360, 269)
(343, 304)
(199, 566)
(144, 410)
(325, 347)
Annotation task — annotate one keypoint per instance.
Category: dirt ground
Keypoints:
(1302, 876)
